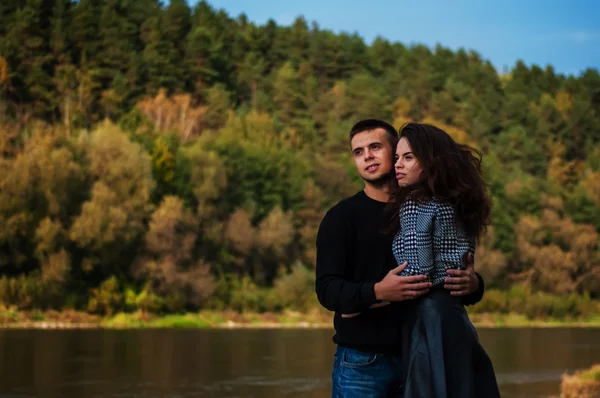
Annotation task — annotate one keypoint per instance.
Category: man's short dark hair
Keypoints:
(372, 124)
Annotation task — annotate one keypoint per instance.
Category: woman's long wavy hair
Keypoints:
(451, 173)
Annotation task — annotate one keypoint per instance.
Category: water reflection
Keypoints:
(246, 363)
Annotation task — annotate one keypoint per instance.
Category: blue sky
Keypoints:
(564, 34)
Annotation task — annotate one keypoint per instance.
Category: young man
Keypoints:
(357, 273)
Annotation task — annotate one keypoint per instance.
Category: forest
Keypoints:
(168, 158)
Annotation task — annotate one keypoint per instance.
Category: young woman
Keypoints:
(440, 208)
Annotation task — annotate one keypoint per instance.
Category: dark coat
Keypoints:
(442, 355)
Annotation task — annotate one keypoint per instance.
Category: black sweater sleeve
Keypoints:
(334, 291)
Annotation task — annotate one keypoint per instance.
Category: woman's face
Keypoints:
(408, 170)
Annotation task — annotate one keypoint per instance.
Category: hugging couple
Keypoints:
(395, 264)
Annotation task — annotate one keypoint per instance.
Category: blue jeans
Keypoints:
(358, 374)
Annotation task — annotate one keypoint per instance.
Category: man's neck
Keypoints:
(378, 193)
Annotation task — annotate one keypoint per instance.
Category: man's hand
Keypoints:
(462, 282)
(398, 288)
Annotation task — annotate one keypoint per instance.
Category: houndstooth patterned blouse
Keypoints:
(430, 240)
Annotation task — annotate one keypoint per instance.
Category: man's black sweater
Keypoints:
(353, 254)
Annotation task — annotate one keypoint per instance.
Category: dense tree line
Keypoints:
(165, 157)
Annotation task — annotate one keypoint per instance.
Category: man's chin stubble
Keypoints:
(380, 182)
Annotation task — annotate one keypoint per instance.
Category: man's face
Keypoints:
(373, 155)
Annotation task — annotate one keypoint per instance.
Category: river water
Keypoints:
(265, 363)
